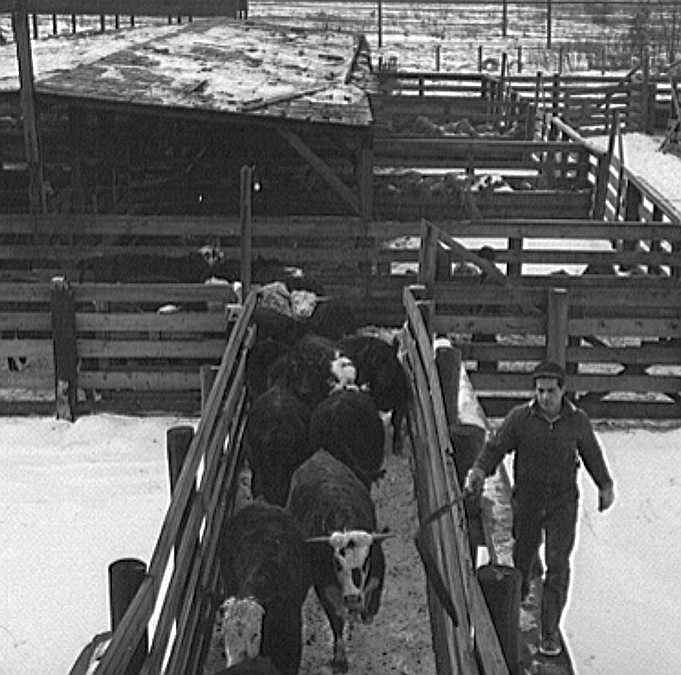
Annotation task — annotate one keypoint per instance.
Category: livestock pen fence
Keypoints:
(618, 336)
(585, 101)
(167, 626)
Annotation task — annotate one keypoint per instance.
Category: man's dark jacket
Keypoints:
(547, 453)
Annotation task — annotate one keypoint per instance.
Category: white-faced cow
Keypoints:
(339, 520)
(266, 576)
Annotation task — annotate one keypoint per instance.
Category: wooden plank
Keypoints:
(136, 7)
(498, 324)
(521, 382)
(140, 349)
(29, 379)
(184, 322)
(625, 327)
(318, 164)
(26, 321)
(139, 381)
(32, 348)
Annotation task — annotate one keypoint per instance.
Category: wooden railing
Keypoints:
(618, 335)
(441, 514)
(173, 608)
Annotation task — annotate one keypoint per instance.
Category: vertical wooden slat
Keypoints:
(245, 205)
(557, 325)
(37, 201)
(63, 312)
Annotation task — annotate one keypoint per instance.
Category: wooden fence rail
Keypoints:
(445, 536)
(179, 588)
(618, 335)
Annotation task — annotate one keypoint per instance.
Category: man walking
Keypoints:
(549, 436)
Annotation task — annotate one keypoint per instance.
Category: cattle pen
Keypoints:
(370, 186)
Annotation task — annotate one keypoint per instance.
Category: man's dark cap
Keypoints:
(549, 369)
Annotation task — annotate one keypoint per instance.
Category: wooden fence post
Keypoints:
(555, 96)
(557, 325)
(427, 255)
(63, 314)
(448, 362)
(548, 24)
(245, 203)
(380, 23)
(125, 577)
(603, 177)
(504, 18)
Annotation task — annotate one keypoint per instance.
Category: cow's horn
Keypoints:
(380, 536)
(318, 540)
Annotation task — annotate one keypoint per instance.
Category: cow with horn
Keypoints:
(338, 518)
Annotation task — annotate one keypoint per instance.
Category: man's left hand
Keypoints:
(606, 496)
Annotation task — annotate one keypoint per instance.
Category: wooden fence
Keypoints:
(443, 531)
(584, 101)
(172, 613)
(618, 335)
(123, 354)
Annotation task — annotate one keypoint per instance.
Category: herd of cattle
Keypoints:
(314, 442)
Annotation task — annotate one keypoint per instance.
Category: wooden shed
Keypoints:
(159, 120)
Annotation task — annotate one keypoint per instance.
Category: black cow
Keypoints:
(312, 369)
(266, 576)
(193, 267)
(333, 319)
(380, 372)
(259, 359)
(339, 519)
(256, 666)
(347, 424)
(277, 440)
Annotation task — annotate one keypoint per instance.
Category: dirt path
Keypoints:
(398, 642)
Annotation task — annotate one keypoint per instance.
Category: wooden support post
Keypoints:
(36, 194)
(245, 204)
(102, 23)
(380, 23)
(365, 176)
(555, 96)
(646, 114)
(34, 22)
(519, 59)
(125, 577)
(548, 24)
(55, 28)
(479, 58)
(514, 269)
(65, 351)
(427, 255)
(437, 57)
(443, 264)
(74, 24)
(557, 325)
(448, 362)
(504, 18)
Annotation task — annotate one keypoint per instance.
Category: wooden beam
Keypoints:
(323, 169)
(136, 7)
(37, 201)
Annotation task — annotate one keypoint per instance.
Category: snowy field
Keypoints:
(75, 497)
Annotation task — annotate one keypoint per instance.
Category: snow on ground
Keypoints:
(642, 157)
(75, 497)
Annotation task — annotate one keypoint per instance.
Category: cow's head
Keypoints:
(352, 560)
(212, 254)
(343, 372)
(241, 620)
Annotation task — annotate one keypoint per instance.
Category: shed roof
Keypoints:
(212, 65)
